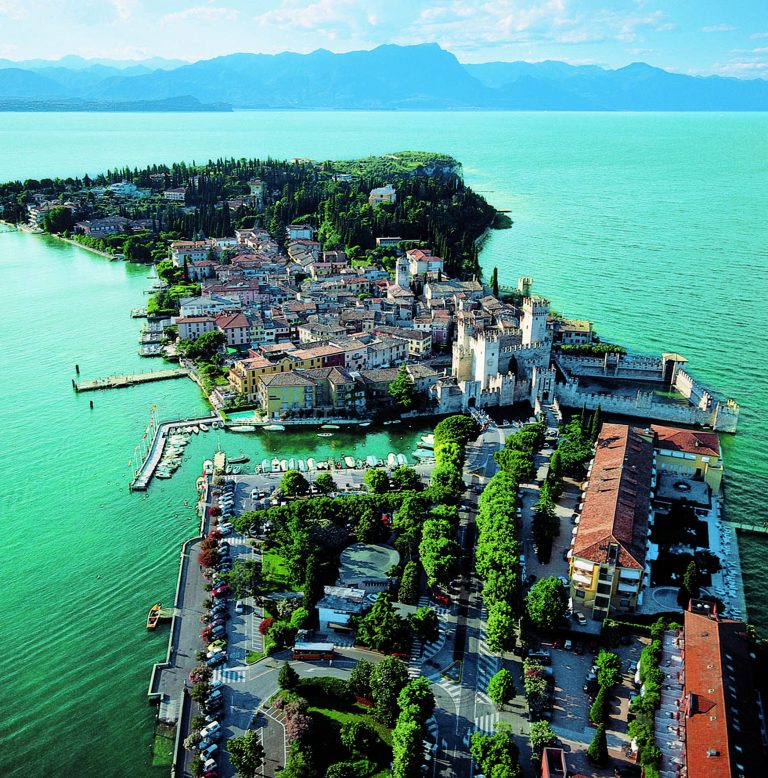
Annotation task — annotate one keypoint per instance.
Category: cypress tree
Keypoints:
(583, 418)
(598, 748)
(495, 282)
(594, 427)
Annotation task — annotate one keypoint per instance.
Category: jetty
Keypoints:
(119, 381)
(742, 526)
(145, 471)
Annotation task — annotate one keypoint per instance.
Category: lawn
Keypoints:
(275, 573)
(329, 712)
(162, 750)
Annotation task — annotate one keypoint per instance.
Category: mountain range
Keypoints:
(422, 77)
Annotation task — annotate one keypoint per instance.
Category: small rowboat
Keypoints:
(154, 615)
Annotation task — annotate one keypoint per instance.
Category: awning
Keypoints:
(627, 588)
(631, 575)
(588, 566)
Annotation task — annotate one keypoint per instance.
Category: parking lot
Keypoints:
(570, 707)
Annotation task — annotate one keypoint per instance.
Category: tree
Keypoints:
(418, 693)
(425, 624)
(516, 463)
(244, 577)
(598, 748)
(458, 429)
(325, 483)
(691, 579)
(287, 678)
(406, 479)
(402, 389)
(500, 629)
(547, 602)
(542, 736)
(495, 282)
(358, 737)
(246, 754)
(58, 220)
(388, 677)
(408, 591)
(265, 625)
(294, 484)
(204, 348)
(200, 691)
(438, 551)
(501, 688)
(360, 679)
(608, 668)
(407, 749)
(595, 424)
(381, 628)
(598, 710)
(496, 754)
(376, 480)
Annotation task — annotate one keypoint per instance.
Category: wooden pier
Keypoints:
(759, 527)
(119, 381)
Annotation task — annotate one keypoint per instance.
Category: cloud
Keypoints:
(719, 28)
(13, 9)
(124, 9)
(202, 13)
(759, 36)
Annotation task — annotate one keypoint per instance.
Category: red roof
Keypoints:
(722, 734)
(229, 321)
(617, 498)
(689, 441)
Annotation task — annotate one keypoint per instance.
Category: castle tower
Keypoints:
(402, 273)
(524, 284)
(485, 348)
(534, 325)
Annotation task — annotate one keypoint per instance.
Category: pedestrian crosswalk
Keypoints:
(487, 723)
(230, 675)
(452, 689)
(487, 666)
(421, 653)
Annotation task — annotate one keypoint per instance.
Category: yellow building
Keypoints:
(609, 547)
(690, 453)
(281, 393)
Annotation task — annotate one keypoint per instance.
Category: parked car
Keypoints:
(541, 656)
(214, 726)
(239, 607)
(217, 659)
(221, 591)
(214, 695)
(216, 685)
(442, 599)
(564, 581)
(580, 617)
(568, 645)
(226, 528)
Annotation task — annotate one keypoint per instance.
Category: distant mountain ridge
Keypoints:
(422, 77)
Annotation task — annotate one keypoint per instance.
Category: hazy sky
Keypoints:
(727, 37)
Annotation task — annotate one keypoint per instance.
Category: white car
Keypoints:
(214, 726)
(580, 617)
(239, 607)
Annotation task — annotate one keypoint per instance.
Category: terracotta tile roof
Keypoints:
(617, 499)
(719, 703)
(232, 321)
(291, 378)
(689, 441)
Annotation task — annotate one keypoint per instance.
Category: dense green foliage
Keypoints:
(246, 754)
(547, 603)
(592, 349)
(402, 389)
(408, 592)
(542, 736)
(383, 629)
(496, 754)
(387, 680)
(598, 748)
(433, 205)
(501, 688)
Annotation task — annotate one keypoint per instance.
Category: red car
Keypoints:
(221, 590)
(441, 599)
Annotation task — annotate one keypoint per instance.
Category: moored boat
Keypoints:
(154, 615)
(391, 460)
(208, 467)
(291, 464)
(275, 465)
(311, 464)
(350, 462)
(324, 434)
(364, 424)
(401, 460)
(239, 460)
(266, 466)
(283, 464)
(203, 427)
(330, 427)
(371, 460)
(274, 427)
(242, 428)
(302, 465)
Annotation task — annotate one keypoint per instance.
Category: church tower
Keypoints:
(402, 273)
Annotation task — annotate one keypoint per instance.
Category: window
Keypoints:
(580, 593)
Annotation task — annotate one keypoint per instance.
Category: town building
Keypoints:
(366, 566)
(553, 764)
(281, 393)
(176, 195)
(689, 453)
(338, 605)
(382, 194)
(608, 551)
(720, 722)
(191, 327)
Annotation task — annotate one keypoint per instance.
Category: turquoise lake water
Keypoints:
(651, 225)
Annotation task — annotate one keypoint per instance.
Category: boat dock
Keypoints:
(119, 381)
(761, 527)
(154, 454)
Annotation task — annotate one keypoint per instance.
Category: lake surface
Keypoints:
(651, 225)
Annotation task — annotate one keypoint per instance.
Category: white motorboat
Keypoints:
(311, 464)
(291, 464)
(274, 428)
(324, 434)
(350, 462)
(243, 428)
(203, 427)
(401, 460)
(391, 460)
(302, 465)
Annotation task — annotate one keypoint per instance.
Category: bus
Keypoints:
(309, 651)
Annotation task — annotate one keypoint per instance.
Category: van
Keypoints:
(540, 656)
